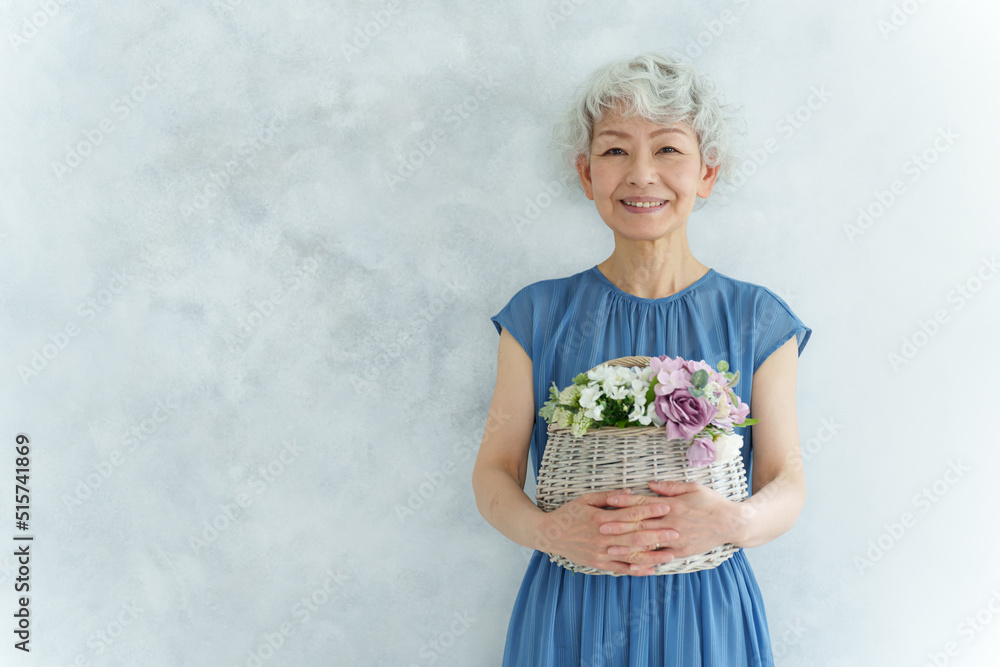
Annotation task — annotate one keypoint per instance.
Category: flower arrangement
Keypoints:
(692, 401)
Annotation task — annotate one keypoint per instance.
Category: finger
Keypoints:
(602, 498)
(621, 499)
(629, 519)
(617, 567)
(673, 488)
(648, 540)
(646, 561)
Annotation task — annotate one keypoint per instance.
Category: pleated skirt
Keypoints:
(713, 618)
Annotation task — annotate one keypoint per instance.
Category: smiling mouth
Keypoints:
(644, 204)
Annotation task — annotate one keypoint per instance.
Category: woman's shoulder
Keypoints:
(549, 288)
(756, 302)
(745, 290)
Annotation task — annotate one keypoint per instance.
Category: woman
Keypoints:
(649, 138)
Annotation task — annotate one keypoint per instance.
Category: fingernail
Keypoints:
(615, 499)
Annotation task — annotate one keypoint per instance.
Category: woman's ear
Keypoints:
(707, 181)
(583, 168)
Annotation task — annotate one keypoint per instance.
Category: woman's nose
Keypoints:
(641, 170)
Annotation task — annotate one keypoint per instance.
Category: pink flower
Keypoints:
(670, 374)
(718, 378)
(665, 363)
(694, 366)
(740, 413)
(701, 453)
(668, 381)
(685, 415)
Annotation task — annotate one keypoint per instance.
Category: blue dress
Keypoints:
(712, 617)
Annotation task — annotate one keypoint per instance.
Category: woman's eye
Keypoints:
(619, 151)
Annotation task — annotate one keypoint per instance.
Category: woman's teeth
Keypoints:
(644, 204)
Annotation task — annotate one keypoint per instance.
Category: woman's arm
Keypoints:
(502, 463)
(779, 487)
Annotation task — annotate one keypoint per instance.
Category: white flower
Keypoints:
(600, 374)
(727, 447)
(594, 412)
(712, 391)
(589, 396)
(617, 393)
(651, 413)
(638, 414)
(614, 379)
(639, 389)
(724, 408)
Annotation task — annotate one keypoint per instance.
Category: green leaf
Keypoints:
(582, 378)
(722, 366)
(699, 378)
(651, 393)
(733, 380)
(748, 422)
(696, 392)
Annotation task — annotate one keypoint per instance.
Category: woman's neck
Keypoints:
(652, 275)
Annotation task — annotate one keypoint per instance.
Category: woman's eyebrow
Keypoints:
(619, 133)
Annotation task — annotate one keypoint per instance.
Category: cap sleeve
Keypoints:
(775, 324)
(517, 317)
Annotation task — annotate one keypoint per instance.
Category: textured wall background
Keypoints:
(250, 251)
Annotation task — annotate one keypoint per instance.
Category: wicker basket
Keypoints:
(615, 458)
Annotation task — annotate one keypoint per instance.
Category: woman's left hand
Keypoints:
(701, 516)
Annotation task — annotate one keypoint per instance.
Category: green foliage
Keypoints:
(651, 392)
(551, 404)
(616, 412)
(733, 379)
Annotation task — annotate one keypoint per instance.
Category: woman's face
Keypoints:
(635, 161)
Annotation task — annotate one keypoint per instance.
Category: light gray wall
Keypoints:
(240, 348)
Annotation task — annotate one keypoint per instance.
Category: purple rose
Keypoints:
(685, 415)
(701, 453)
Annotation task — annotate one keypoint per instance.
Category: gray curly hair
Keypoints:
(661, 89)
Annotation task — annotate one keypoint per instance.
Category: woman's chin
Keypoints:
(646, 232)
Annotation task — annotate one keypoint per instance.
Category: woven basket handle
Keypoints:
(627, 362)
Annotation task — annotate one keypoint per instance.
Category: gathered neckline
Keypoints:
(663, 299)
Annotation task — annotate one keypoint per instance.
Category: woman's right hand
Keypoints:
(573, 529)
